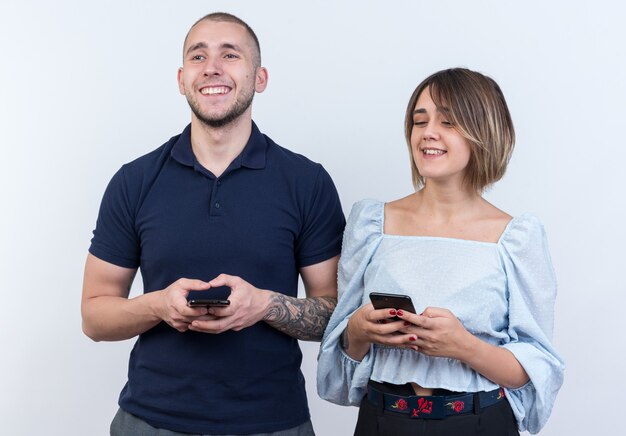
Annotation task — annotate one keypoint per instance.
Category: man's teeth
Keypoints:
(211, 91)
(433, 151)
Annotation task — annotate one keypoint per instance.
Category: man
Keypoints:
(218, 205)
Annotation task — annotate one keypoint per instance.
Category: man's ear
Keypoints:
(179, 78)
(261, 79)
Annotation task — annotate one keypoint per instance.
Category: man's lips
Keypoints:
(215, 90)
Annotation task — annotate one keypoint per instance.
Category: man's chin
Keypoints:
(219, 121)
(216, 121)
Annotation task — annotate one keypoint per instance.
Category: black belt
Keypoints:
(434, 406)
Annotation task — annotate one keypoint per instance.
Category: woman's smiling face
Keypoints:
(440, 152)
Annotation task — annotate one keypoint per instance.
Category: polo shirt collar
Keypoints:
(252, 155)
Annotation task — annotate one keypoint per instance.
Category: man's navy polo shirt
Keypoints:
(270, 213)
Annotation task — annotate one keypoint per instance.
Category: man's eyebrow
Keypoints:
(196, 46)
(203, 45)
(230, 46)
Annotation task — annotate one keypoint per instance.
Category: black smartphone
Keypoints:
(207, 302)
(217, 296)
(392, 301)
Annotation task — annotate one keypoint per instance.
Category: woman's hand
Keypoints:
(438, 333)
(370, 326)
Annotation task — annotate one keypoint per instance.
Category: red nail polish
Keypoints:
(407, 323)
(392, 312)
(400, 313)
(412, 338)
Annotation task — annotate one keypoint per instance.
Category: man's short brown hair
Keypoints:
(230, 18)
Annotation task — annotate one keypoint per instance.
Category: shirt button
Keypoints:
(217, 204)
(219, 183)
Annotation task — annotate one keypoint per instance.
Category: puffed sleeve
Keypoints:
(531, 292)
(340, 379)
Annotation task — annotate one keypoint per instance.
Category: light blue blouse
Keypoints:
(502, 292)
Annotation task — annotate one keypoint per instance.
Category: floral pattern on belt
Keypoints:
(401, 404)
(423, 406)
(456, 406)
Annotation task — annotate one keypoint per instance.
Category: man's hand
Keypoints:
(300, 318)
(173, 308)
(248, 306)
(109, 315)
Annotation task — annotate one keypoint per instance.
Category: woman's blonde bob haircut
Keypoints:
(476, 107)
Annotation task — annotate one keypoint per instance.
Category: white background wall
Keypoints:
(88, 86)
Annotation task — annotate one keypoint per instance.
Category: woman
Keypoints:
(476, 358)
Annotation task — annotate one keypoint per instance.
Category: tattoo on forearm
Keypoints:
(301, 318)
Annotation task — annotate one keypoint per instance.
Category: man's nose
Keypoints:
(213, 67)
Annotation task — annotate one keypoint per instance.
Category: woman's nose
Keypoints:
(431, 132)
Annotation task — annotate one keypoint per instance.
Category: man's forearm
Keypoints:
(300, 318)
(110, 318)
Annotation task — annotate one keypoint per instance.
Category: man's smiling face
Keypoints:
(220, 72)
